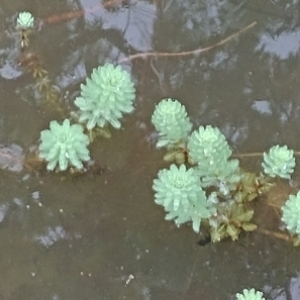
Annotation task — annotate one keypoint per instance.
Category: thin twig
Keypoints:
(241, 155)
(276, 234)
(186, 53)
(256, 154)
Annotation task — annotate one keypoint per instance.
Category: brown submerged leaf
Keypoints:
(233, 231)
(249, 226)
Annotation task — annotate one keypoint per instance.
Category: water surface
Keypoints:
(100, 235)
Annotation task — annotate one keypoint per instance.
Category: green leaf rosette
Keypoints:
(105, 97)
(25, 20)
(208, 145)
(250, 294)
(179, 192)
(171, 122)
(279, 161)
(291, 214)
(208, 148)
(64, 145)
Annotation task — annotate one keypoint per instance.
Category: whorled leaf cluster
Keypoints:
(25, 20)
(173, 125)
(224, 207)
(105, 97)
(208, 148)
(171, 121)
(291, 216)
(179, 192)
(208, 187)
(250, 294)
(279, 161)
(64, 145)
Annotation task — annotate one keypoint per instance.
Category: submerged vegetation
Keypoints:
(107, 95)
(250, 294)
(204, 185)
(64, 145)
(224, 190)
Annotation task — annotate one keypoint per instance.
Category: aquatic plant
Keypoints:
(25, 20)
(208, 144)
(230, 219)
(179, 192)
(208, 148)
(291, 214)
(171, 121)
(226, 209)
(104, 98)
(64, 145)
(250, 294)
(279, 161)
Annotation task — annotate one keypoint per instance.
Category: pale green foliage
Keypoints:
(179, 191)
(208, 148)
(208, 144)
(291, 214)
(171, 121)
(279, 161)
(251, 294)
(25, 20)
(64, 145)
(104, 98)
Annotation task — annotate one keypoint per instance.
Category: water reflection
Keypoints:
(291, 290)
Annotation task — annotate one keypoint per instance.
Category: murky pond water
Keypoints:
(100, 235)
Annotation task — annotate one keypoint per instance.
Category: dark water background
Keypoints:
(100, 235)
